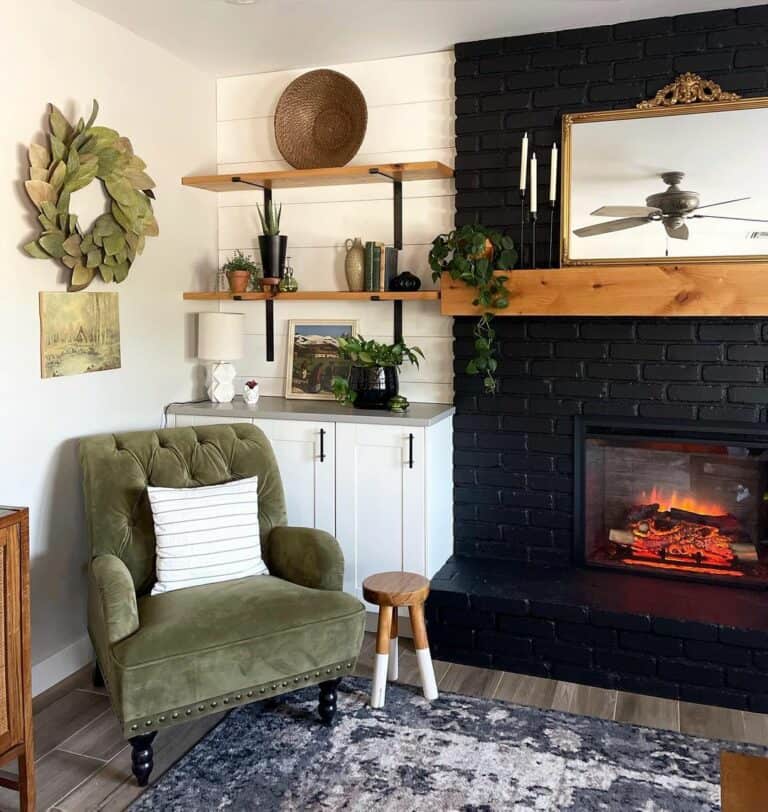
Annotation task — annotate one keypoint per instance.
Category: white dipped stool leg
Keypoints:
(423, 656)
(379, 688)
(393, 670)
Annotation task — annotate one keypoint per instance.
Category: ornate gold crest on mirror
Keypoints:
(628, 178)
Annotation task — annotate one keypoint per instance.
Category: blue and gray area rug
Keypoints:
(458, 753)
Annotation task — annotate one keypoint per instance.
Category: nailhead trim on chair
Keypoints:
(171, 717)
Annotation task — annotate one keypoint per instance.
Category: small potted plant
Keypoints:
(373, 381)
(272, 244)
(240, 269)
(251, 393)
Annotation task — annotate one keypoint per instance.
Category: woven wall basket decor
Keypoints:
(320, 120)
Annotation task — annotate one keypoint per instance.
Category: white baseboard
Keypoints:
(60, 665)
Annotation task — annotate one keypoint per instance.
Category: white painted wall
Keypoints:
(55, 50)
(410, 118)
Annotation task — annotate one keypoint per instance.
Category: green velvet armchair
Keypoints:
(180, 655)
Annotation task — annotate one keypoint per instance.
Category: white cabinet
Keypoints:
(380, 507)
(382, 487)
(305, 454)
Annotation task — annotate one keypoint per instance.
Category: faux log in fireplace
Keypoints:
(673, 500)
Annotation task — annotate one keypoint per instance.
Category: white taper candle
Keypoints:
(553, 175)
(523, 162)
(534, 181)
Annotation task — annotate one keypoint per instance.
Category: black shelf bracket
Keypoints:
(397, 201)
(269, 306)
(267, 190)
(397, 329)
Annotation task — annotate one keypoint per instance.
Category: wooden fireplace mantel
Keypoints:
(691, 289)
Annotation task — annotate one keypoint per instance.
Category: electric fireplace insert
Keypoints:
(674, 500)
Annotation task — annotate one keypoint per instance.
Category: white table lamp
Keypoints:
(220, 339)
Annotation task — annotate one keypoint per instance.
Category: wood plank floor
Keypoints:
(84, 764)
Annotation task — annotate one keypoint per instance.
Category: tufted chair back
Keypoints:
(118, 467)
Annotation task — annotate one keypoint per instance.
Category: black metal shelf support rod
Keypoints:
(266, 189)
(397, 330)
(269, 305)
(397, 202)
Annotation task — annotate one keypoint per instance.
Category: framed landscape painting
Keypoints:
(313, 356)
(79, 332)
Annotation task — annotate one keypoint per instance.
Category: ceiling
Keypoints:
(225, 39)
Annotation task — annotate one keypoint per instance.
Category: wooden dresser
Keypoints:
(15, 664)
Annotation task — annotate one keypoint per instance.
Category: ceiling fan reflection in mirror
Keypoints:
(671, 208)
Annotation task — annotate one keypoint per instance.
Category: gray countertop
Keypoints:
(274, 408)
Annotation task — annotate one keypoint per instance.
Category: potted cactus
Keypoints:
(272, 244)
(240, 269)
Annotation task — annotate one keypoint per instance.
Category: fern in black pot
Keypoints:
(373, 379)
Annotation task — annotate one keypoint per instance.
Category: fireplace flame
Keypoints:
(684, 501)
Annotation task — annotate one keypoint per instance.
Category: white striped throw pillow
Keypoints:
(206, 534)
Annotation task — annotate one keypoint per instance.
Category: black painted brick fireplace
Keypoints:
(512, 597)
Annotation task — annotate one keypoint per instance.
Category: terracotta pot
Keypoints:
(238, 281)
(487, 251)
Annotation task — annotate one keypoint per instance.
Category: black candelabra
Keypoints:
(522, 228)
(551, 230)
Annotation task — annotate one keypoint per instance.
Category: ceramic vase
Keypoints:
(273, 248)
(251, 395)
(354, 264)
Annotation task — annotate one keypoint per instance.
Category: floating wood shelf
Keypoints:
(394, 173)
(322, 295)
(333, 176)
(691, 289)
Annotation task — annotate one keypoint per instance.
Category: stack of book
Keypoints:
(380, 266)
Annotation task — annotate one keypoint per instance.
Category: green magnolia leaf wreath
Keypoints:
(75, 156)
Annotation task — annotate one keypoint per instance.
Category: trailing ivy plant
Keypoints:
(472, 253)
(370, 353)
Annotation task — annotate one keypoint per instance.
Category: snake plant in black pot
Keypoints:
(272, 244)
(373, 376)
(472, 254)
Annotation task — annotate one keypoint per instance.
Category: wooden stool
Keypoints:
(389, 590)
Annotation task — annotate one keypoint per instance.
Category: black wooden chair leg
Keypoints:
(98, 677)
(327, 704)
(141, 757)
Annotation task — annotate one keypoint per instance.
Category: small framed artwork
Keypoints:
(79, 332)
(313, 356)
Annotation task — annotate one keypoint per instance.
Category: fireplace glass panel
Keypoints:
(696, 509)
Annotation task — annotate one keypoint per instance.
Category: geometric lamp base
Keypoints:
(221, 389)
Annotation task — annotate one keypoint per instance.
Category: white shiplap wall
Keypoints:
(410, 118)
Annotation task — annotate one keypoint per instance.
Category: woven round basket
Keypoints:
(320, 120)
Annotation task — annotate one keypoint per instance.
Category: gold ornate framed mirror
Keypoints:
(680, 178)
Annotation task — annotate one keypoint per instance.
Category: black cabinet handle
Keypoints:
(322, 445)
(410, 451)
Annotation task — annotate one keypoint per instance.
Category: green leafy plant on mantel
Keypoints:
(472, 254)
(370, 353)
